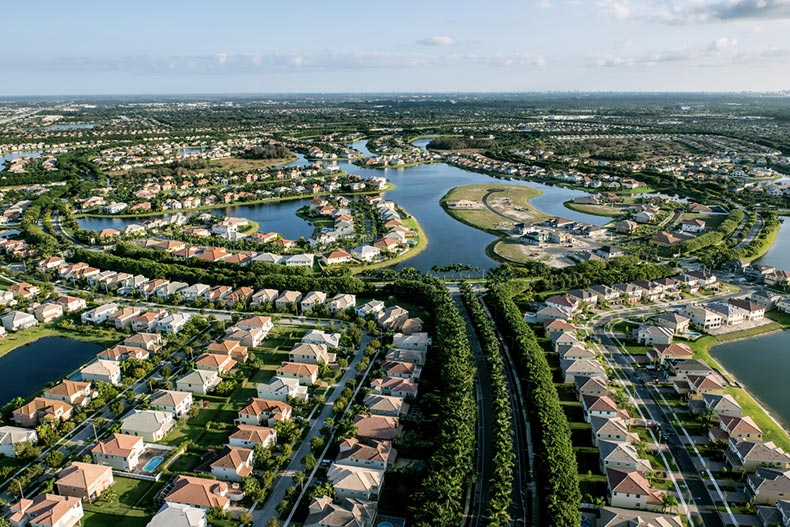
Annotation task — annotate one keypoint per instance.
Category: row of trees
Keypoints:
(555, 459)
(451, 465)
(501, 489)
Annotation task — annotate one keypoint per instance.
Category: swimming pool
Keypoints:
(153, 463)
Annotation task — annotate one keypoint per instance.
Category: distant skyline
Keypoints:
(313, 46)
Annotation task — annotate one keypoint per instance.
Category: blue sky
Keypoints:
(91, 47)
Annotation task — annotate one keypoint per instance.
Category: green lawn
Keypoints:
(133, 506)
(771, 430)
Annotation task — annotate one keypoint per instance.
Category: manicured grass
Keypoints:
(751, 332)
(779, 317)
(13, 340)
(701, 348)
(771, 430)
(518, 252)
(595, 210)
(763, 244)
(483, 218)
(186, 462)
(133, 506)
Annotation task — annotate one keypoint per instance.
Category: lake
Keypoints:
(779, 254)
(418, 190)
(16, 155)
(762, 366)
(29, 368)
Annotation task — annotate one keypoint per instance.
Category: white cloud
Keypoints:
(723, 44)
(696, 11)
(625, 44)
(437, 41)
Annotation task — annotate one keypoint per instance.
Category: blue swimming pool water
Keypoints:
(153, 463)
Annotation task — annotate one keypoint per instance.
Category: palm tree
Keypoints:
(299, 478)
(670, 503)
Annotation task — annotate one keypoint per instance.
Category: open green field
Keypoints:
(518, 252)
(596, 210)
(132, 505)
(485, 219)
(12, 340)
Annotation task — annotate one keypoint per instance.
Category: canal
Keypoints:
(418, 190)
(762, 366)
(29, 368)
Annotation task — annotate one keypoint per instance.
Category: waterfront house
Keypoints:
(102, 370)
(41, 410)
(748, 456)
(18, 320)
(76, 393)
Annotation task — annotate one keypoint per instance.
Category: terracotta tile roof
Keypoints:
(119, 445)
(199, 492)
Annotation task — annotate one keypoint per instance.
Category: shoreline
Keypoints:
(737, 383)
(264, 201)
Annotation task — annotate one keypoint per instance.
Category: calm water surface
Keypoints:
(29, 368)
(779, 254)
(418, 190)
(762, 365)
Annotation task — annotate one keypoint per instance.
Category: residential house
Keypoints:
(11, 436)
(85, 481)
(287, 299)
(315, 336)
(102, 370)
(702, 317)
(768, 485)
(98, 315)
(395, 386)
(372, 307)
(198, 492)
(151, 425)
(119, 451)
(173, 323)
(380, 427)
(581, 368)
(311, 301)
(373, 454)
(385, 405)
(622, 456)
(602, 406)
(76, 393)
(40, 410)
(610, 429)
(631, 490)
(355, 482)
(651, 335)
(122, 319)
(324, 512)
(234, 464)
(18, 320)
(46, 510)
(151, 342)
(415, 341)
(677, 351)
(259, 412)
(311, 354)
(47, 312)
(247, 436)
(752, 310)
(178, 515)
(177, 403)
(281, 388)
(677, 323)
(748, 456)
(199, 382)
(307, 374)
(740, 427)
(214, 362)
(342, 302)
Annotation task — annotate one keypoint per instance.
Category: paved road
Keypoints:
(485, 434)
(753, 233)
(285, 479)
